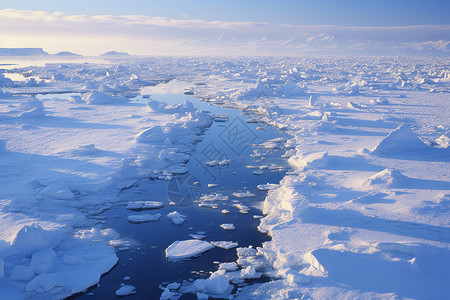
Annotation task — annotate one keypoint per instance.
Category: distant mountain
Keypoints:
(67, 53)
(115, 53)
(22, 52)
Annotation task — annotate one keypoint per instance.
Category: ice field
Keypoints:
(240, 178)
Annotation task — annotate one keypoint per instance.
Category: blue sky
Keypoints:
(198, 27)
(298, 12)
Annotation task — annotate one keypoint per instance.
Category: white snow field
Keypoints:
(363, 214)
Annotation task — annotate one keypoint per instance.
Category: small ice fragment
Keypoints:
(243, 194)
(225, 244)
(168, 295)
(224, 162)
(126, 290)
(225, 211)
(127, 278)
(141, 205)
(197, 236)
(212, 163)
(227, 226)
(176, 218)
(202, 296)
(211, 185)
(214, 197)
(208, 205)
(174, 286)
(241, 206)
(179, 250)
(267, 187)
(144, 218)
(257, 217)
(258, 172)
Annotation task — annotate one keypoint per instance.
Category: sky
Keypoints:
(209, 27)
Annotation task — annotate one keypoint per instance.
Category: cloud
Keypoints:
(140, 34)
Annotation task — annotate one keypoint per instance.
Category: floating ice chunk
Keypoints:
(144, 218)
(211, 185)
(225, 244)
(243, 209)
(141, 205)
(225, 211)
(400, 141)
(169, 295)
(197, 236)
(179, 250)
(202, 296)
(258, 172)
(243, 194)
(22, 273)
(42, 261)
(267, 187)
(174, 286)
(224, 162)
(212, 163)
(177, 170)
(228, 226)
(231, 266)
(214, 197)
(176, 218)
(208, 205)
(126, 290)
(153, 134)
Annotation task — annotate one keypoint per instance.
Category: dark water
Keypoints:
(145, 260)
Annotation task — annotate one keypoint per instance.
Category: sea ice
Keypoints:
(180, 250)
(144, 218)
(243, 194)
(126, 290)
(227, 226)
(267, 187)
(225, 244)
(176, 217)
(141, 205)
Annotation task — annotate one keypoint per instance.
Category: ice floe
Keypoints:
(180, 250)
